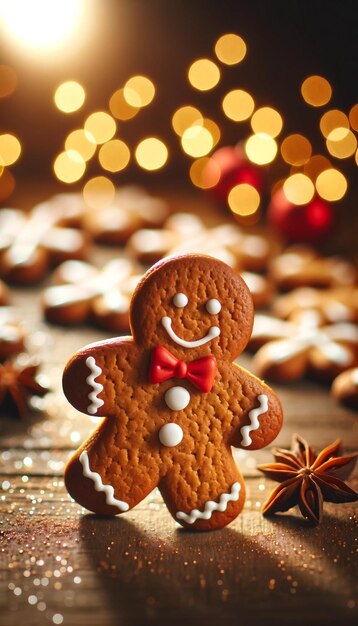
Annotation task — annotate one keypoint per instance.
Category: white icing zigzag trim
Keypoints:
(254, 422)
(214, 331)
(98, 484)
(211, 506)
(97, 387)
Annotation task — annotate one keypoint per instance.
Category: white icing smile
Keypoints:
(254, 422)
(211, 506)
(99, 486)
(214, 331)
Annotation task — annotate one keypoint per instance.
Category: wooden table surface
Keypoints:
(60, 564)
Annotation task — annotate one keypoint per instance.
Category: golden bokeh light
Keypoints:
(315, 165)
(82, 142)
(184, 117)
(69, 96)
(213, 129)
(200, 175)
(8, 81)
(244, 199)
(298, 189)
(114, 155)
(333, 119)
(238, 105)
(353, 117)
(151, 153)
(139, 91)
(7, 184)
(267, 120)
(341, 143)
(203, 74)
(230, 49)
(197, 141)
(98, 192)
(120, 108)
(331, 185)
(101, 126)
(316, 91)
(296, 149)
(261, 148)
(10, 149)
(69, 166)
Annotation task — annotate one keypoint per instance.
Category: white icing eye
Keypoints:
(213, 306)
(180, 300)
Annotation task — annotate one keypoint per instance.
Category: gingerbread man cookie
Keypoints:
(173, 400)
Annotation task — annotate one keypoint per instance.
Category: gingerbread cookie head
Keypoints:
(174, 402)
(195, 304)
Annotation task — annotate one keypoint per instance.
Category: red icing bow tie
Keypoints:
(165, 365)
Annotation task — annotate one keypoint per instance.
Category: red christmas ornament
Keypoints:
(309, 222)
(233, 168)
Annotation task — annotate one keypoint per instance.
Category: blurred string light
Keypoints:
(120, 108)
(333, 119)
(69, 166)
(202, 176)
(203, 74)
(267, 120)
(10, 149)
(298, 189)
(341, 143)
(114, 155)
(244, 200)
(197, 141)
(353, 117)
(69, 96)
(315, 165)
(99, 192)
(151, 153)
(316, 91)
(83, 142)
(296, 149)
(8, 81)
(138, 91)
(261, 148)
(184, 117)
(331, 184)
(230, 49)
(238, 105)
(41, 24)
(101, 126)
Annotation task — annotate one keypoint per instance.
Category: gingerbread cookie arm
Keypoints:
(105, 476)
(96, 379)
(257, 416)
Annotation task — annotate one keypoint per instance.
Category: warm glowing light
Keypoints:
(8, 80)
(41, 23)
(331, 120)
(244, 199)
(356, 157)
(120, 108)
(7, 184)
(261, 148)
(69, 166)
(114, 155)
(98, 192)
(341, 143)
(267, 120)
(151, 153)
(353, 117)
(69, 96)
(82, 142)
(10, 149)
(238, 105)
(315, 165)
(298, 189)
(213, 129)
(197, 141)
(203, 74)
(331, 185)
(101, 126)
(203, 177)
(230, 49)
(296, 150)
(139, 91)
(184, 117)
(316, 91)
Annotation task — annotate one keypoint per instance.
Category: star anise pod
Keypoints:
(18, 384)
(308, 479)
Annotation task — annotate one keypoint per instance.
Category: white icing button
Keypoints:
(177, 398)
(180, 300)
(213, 306)
(170, 435)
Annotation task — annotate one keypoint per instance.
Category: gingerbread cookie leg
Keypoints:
(105, 477)
(209, 494)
